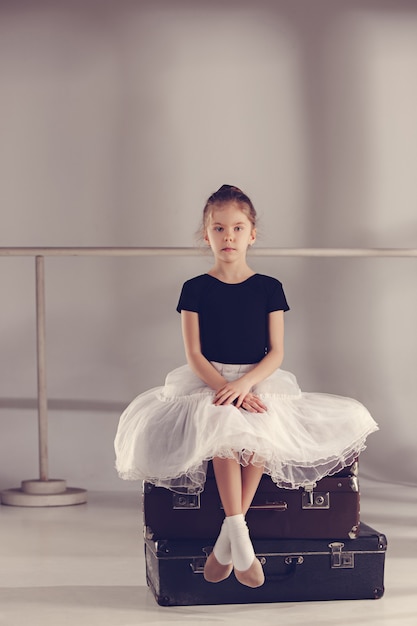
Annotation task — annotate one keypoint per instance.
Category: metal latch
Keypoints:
(315, 499)
(185, 500)
(197, 563)
(340, 559)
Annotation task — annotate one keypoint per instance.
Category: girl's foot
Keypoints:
(219, 564)
(252, 577)
(215, 572)
(248, 569)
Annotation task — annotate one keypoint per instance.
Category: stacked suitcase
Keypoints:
(310, 542)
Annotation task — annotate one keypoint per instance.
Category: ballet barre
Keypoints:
(198, 251)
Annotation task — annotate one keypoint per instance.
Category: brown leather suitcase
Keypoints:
(329, 508)
(295, 570)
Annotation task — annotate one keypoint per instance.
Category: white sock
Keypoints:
(222, 550)
(242, 548)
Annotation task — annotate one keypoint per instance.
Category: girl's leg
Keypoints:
(251, 476)
(237, 485)
(236, 490)
(228, 475)
(229, 484)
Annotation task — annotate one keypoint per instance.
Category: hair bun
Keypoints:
(229, 188)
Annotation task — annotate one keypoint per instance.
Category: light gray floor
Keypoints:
(84, 566)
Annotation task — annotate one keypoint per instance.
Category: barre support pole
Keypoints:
(45, 491)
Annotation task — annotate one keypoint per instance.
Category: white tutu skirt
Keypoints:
(167, 435)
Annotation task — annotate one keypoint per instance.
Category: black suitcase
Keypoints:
(295, 570)
(329, 509)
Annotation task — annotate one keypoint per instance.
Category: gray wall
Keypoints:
(119, 118)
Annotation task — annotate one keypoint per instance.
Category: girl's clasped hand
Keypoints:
(236, 393)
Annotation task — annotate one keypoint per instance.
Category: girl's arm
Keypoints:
(196, 360)
(236, 391)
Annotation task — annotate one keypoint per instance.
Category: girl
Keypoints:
(232, 403)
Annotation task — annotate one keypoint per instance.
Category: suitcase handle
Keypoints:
(269, 506)
(291, 562)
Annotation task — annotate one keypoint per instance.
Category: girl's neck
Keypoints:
(231, 274)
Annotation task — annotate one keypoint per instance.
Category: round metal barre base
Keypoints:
(42, 493)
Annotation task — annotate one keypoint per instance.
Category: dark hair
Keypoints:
(229, 193)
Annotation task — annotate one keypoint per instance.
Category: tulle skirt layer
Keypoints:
(167, 434)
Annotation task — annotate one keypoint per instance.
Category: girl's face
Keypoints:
(229, 232)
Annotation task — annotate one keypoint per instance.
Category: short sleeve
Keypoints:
(277, 300)
(188, 298)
